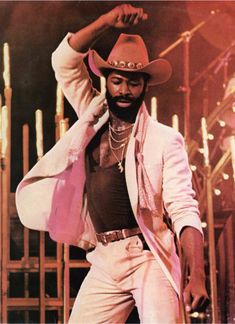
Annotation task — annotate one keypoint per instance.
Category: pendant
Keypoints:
(120, 167)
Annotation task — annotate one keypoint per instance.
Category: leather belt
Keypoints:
(117, 235)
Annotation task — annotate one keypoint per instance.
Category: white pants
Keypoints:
(123, 275)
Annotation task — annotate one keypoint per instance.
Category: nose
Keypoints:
(124, 88)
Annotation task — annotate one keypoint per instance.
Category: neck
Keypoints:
(117, 122)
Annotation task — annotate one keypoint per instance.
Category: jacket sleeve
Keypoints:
(178, 195)
(72, 75)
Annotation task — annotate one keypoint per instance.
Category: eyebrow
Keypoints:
(132, 78)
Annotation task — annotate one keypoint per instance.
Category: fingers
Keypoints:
(199, 303)
(187, 301)
(92, 119)
(100, 109)
(129, 15)
(141, 15)
(95, 110)
(145, 16)
(195, 296)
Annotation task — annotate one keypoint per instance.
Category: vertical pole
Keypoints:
(39, 147)
(59, 246)
(42, 276)
(5, 238)
(232, 149)
(175, 122)
(205, 98)
(154, 107)
(6, 183)
(230, 254)
(59, 257)
(26, 231)
(186, 88)
(211, 241)
(64, 125)
(6, 213)
(4, 219)
(59, 110)
(8, 95)
(0, 207)
(25, 149)
(102, 85)
(210, 222)
(225, 72)
(57, 126)
(66, 283)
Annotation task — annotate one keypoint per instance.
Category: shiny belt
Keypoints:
(117, 235)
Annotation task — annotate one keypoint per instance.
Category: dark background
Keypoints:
(34, 29)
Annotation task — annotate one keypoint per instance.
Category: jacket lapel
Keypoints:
(130, 170)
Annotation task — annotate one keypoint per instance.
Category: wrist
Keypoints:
(197, 275)
(104, 21)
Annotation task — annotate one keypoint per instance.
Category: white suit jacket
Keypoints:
(51, 196)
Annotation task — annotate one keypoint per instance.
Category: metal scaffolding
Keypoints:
(41, 270)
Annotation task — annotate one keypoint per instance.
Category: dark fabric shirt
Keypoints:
(108, 200)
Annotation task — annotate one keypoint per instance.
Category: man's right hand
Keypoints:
(124, 16)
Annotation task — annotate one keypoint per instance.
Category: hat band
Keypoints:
(126, 65)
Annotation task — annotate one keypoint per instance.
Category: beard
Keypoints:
(127, 114)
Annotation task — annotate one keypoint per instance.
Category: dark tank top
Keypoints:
(108, 200)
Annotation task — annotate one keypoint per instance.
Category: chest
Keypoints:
(102, 155)
(106, 152)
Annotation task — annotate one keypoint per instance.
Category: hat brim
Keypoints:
(159, 70)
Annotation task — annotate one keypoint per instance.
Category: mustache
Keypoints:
(127, 97)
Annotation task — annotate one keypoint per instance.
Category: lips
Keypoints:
(124, 102)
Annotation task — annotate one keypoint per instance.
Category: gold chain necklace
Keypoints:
(116, 140)
(113, 149)
(117, 147)
(120, 130)
(120, 166)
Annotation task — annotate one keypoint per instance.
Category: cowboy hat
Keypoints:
(130, 54)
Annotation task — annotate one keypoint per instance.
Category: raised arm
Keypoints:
(67, 60)
(122, 16)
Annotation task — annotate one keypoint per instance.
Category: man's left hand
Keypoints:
(195, 296)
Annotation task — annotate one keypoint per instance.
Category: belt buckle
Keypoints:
(125, 232)
(104, 239)
(113, 236)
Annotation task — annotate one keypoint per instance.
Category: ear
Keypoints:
(147, 87)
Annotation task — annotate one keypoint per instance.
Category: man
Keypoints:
(104, 184)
